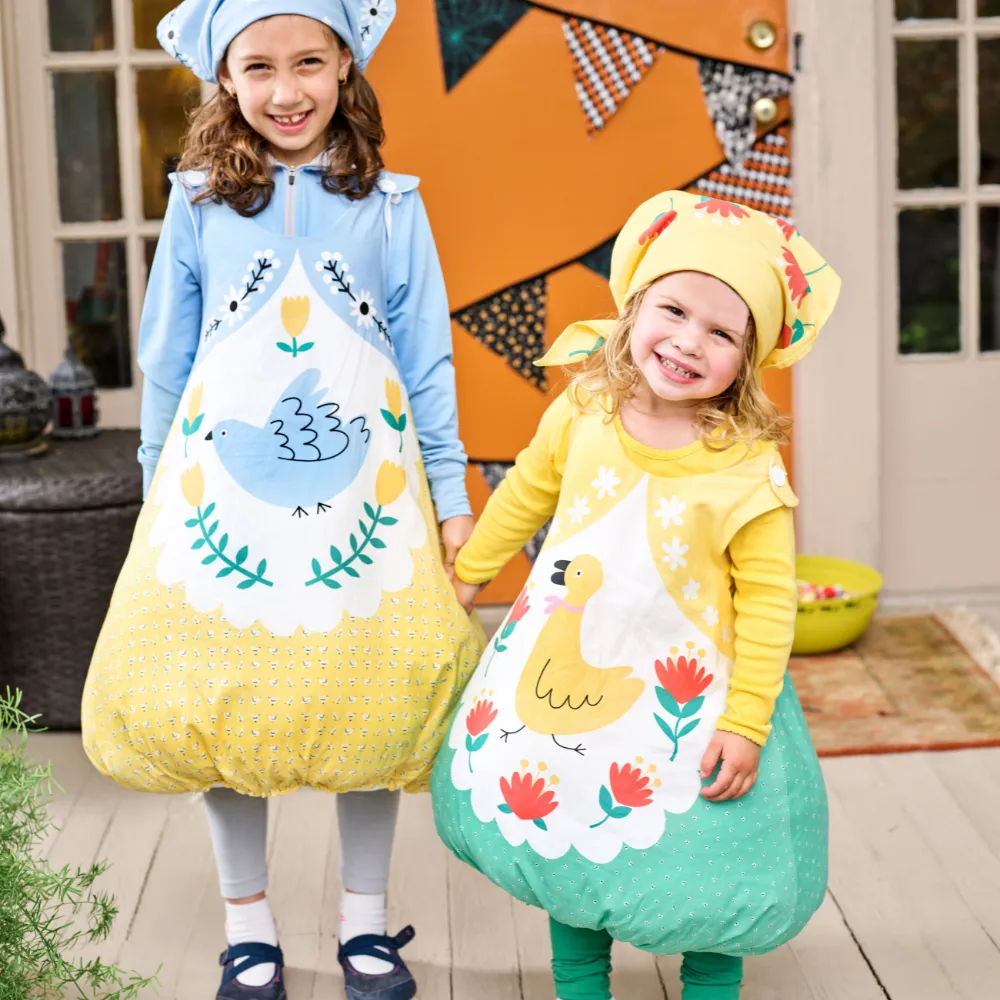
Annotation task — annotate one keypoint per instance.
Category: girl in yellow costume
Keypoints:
(629, 755)
(284, 617)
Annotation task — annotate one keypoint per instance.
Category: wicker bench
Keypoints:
(66, 522)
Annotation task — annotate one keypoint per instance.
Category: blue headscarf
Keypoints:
(198, 32)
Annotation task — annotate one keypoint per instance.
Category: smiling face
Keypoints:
(688, 337)
(286, 73)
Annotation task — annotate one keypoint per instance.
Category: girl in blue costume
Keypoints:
(284, 617)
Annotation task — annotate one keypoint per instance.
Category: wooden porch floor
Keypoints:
(913, 911)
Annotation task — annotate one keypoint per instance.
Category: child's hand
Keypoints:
(466, 593)
(455, 532)
(740, 762)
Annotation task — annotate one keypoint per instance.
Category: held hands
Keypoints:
(455, 532)
(740, 761)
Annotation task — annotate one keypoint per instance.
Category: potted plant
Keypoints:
(45, 914)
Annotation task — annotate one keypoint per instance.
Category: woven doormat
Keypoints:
(922, 682)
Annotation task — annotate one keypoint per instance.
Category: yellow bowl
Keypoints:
(825, 626)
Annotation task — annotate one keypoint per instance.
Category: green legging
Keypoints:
(581, 966)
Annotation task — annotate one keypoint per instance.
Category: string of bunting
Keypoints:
(608, 63)
(511, 322)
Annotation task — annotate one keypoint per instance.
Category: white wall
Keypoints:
(837, 387)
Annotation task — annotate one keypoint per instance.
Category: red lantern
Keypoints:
(74, 393)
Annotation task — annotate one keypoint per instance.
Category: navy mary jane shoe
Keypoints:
(397, 984)
(255, 954)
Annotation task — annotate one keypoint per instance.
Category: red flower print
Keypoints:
(726, 209)
(785, 340)
(527, 799)
(657, 226)
(798, 284)
(786, 227)
(520, 609)
(630, 786)
(683, 678)
(480, 718)
(521, 606)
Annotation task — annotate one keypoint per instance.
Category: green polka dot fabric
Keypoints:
(737, 878)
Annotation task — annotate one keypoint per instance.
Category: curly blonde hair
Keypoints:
(743, 411)
(222, 143)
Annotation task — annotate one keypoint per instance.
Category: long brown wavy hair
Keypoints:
(743, 411)
(220, 142)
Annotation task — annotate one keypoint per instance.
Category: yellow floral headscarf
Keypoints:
(789, 289)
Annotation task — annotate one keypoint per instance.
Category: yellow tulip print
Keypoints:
(194, 418)
(393, 414)
(193, 485)
(193, 490)
(390, 482)
(294, 317)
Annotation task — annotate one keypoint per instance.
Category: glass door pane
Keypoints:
(929, 272)
(164, 97)
(80, 25)
(86, 126)
(927, 113)
(146, 15)
(907, 9)
(96, 290)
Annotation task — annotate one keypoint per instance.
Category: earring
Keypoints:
(231, 91)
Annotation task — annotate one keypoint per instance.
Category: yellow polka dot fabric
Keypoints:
(179, 700)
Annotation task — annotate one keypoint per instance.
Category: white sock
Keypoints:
(252, 922)
(364, 913)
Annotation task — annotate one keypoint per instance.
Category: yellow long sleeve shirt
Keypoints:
(758, 535)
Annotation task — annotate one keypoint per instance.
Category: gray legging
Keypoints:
(238, 824)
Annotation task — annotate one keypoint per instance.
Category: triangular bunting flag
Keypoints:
(599, 259)
(494, 473)
(763, 182)
(730, 92)
(607, 64)
(468, 29)
(512, 323)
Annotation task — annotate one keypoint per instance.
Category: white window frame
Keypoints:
(967, 197)
(43, 330)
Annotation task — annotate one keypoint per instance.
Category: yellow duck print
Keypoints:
(559, 692)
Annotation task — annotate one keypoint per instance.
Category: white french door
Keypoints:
(99, 110)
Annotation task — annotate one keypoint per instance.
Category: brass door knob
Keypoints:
(762, 35)
(765, 110)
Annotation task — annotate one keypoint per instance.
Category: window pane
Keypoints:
(86, 122)
(96, 288)
(81, 25)
(163, 96)
(925, 8)
(929, 320)
(989, 278)
(988, 8)
(146, 15)
(927, 113)
(989, 111)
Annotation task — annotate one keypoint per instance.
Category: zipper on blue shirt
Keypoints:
(290, 203)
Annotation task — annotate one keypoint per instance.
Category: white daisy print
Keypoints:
(674, 553)
(727, 634)
(690, 590)
(579, 510)
(669, 511)
(363, 310)
(373, 13)
(605, 483)
(710, 616)
(235, 305)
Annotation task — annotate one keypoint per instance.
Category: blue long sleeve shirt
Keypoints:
(172, 319)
